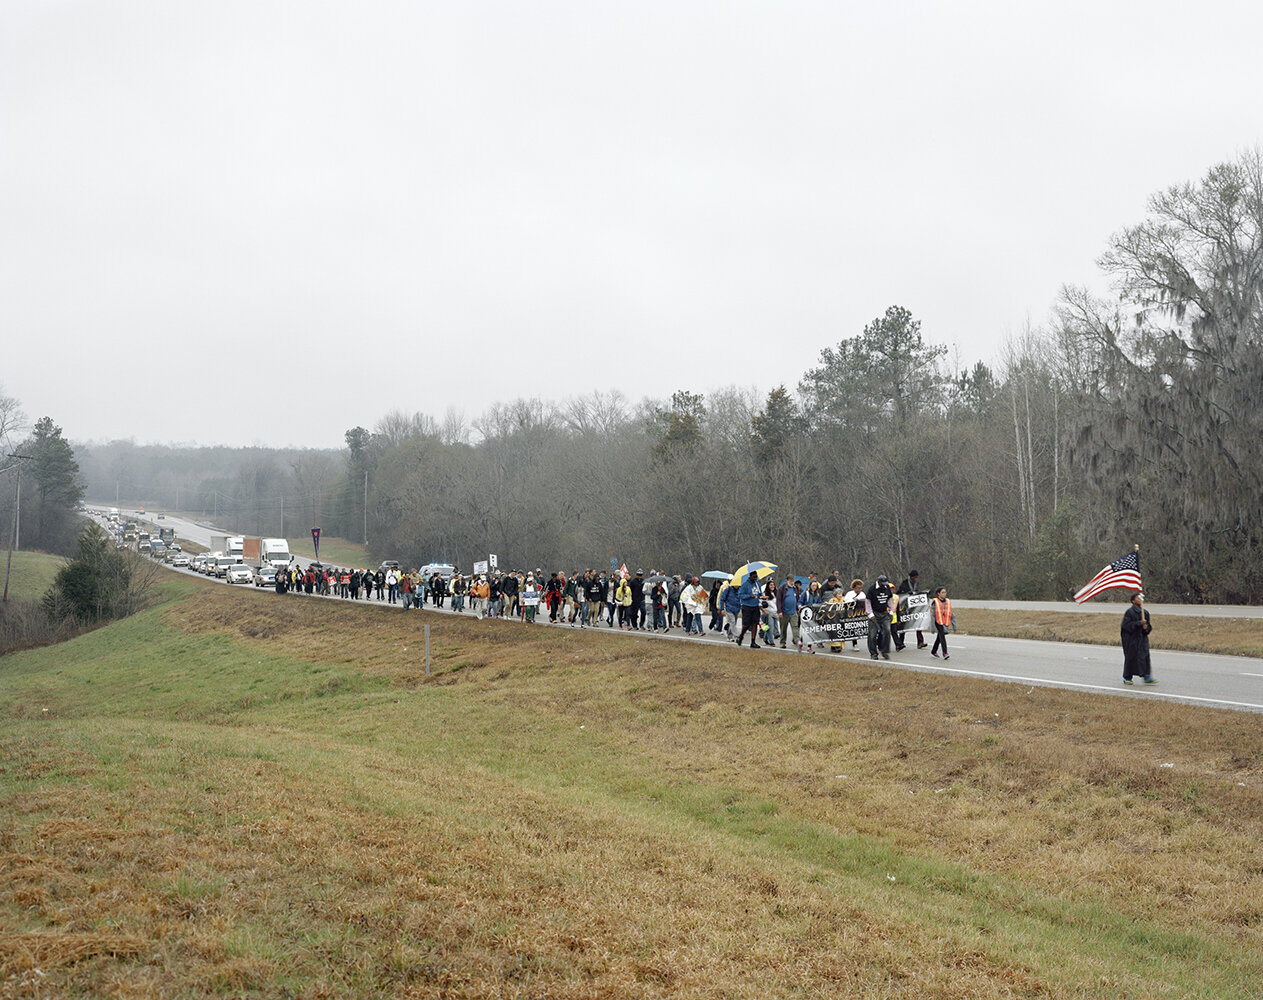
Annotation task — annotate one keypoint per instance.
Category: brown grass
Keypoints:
(783, 719)
(565, 814)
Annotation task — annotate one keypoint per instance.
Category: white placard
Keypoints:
(480, 567)
(492, 559)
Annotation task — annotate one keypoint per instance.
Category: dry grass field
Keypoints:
(239, 794)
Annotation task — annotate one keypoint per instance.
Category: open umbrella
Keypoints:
(659, 578)
(761, 571)
(716, 574)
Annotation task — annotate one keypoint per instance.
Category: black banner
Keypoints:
(844, 621)
(835, 621)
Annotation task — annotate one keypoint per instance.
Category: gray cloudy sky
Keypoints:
(420, 205)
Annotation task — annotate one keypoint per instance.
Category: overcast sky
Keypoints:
(372, 206)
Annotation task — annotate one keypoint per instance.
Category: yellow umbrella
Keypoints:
(761, 571)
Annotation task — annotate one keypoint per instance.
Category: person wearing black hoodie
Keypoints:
(638, 600)
(881, 600)
(908, 587)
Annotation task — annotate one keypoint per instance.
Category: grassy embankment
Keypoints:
(333, 552)
(31, 575)
(242, 794)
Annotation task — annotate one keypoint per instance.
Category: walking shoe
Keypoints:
(1150, 680)
(754, 645)
(1128, 680)
(873, 657)
(922, 645)
(934, 654)
(885, 656)
(946, 657)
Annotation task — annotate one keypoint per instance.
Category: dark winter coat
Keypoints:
(1135, 631)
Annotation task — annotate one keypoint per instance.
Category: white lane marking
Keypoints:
(1046, 682)
(1252, 675)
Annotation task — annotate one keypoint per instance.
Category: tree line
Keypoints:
(1128, 419)
(99, 582)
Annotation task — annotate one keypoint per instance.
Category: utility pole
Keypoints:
(17, 520)
(282, 515)
(366, 507)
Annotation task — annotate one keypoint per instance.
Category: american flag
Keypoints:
(1123, 572)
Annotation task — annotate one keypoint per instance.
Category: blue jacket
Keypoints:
(732, 602)
(751, 593)
(789, 600)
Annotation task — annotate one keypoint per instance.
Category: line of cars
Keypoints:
(231, 569)
(147, 538)
(228, 562)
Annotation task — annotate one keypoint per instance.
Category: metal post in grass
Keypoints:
(427, 652)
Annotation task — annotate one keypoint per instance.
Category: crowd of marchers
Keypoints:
(769, 609)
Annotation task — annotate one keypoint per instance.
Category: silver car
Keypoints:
(239, 573)
(265, 576)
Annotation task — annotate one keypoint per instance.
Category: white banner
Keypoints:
(916, 613)
(480, 567)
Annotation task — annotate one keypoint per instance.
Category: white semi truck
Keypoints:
(272, 552)
(229, 545)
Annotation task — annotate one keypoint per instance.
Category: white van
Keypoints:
(445, 570)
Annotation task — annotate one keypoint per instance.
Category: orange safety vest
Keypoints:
(942, 612)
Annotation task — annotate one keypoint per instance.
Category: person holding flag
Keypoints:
(1135, 630)
(1124, 572)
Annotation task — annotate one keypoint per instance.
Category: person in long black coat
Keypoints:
(1135, 631)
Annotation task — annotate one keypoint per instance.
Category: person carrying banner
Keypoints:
(856, 593)
(529, 599)
(880, 601)
(908, 587)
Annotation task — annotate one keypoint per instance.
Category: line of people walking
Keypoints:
(768, 612)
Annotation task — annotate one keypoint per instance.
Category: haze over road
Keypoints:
(1215, 681)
